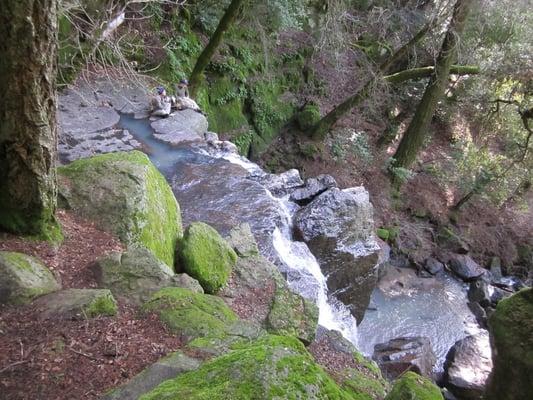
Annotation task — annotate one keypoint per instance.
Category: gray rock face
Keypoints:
(181, 127)
(338, 228)
(281, 184)
(478, 292)
(166, 368)
(136, 274)
(77, 304)
(468, 365)
(433, 266)
(22, 278)
(466, 268)
(312, 188)
(405, 354)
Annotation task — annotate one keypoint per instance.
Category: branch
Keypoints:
(425, 72)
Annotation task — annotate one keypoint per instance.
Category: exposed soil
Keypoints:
(78, 359)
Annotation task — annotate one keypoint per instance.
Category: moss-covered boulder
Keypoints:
(125, 194)
(411, 386)
(511, 330)
(191, 314)
(136, 274)
(292, 315)
(206, 256)
(77, 304)
(308, 117)
(273, 367)
(22, 278)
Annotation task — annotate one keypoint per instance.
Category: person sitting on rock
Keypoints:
(161, 103)
(183, 100)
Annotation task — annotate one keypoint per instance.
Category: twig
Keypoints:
(83, 354)
(13, 364)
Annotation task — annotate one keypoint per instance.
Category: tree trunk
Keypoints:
(424, 72)
(28, 131)
(212, 46)
(319, 131)
(414, 136)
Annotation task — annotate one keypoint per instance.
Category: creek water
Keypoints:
(439, 313)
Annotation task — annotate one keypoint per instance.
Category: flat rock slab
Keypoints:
(465, 267)
(77, 304)
(181, 127)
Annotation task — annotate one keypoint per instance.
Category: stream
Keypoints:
(214, 187)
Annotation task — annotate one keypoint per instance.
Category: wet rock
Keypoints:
(312, 188)
(124, 194)
(465, 267)
(413, 386)
(433, 266)
(496, 268)
(338, 228)
(206, 256)
(468, 365)
(281, 184)
(136, 274)
(181, 127)
(22, 278)
(166, 368)
(405, 354)
(479, 312)
(211, 137)
(242, 240)
(77, 304)
(511, 328)
(479, 292)
(499, 294)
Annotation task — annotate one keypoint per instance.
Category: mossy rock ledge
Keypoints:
(124, 194)
(411, 386)
(22, 278)
(192, 314)
(272, 367)
(206, 256)
(511, 330)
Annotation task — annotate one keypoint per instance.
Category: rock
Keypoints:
(206, 256)
(339, 230)
(136, 274)
(281, 184)
(468, 365)
(292, 315)
(268, 368)
(411, 386)
(312, 188)
(308, 116)
(479, 292)
(187, 282)
(498, 295)
(405, 354)
(448, 239)
(211, 137)
(433, 266)
(466, 268)
(479, 312)
(511, 327)
(181, 127)
(166, 368)
(77, 304)
(496, 268)
(126, 195)
(22, 278)
(242, 240)
(191, 314)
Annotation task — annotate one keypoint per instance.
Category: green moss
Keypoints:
(191, 314)
(411, 386)
(206, 256)
(128, 196)
(308, 117)
(269, 368)
(225, 113)
(383, 233)
(102, 305)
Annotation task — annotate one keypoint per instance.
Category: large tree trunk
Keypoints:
(28, 132)
(413, 137)
(212, 46)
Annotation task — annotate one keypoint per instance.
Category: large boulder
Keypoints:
(468, 365)
(126, 195)
(338, 227)
(273, 367)
(405, 354)
(465, 267)
(22, 278)
(312, 188)
(206, 256)
(411, 386)
(191, 314)
(136, 274)
(181, 127)
(511, 331)
(80, 304)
